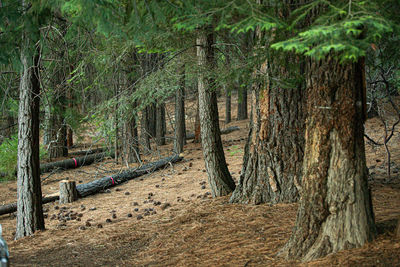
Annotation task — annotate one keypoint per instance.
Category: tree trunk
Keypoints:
(197, 134)
(160, 124)
(220, 180)
(58, 137)
(180, 132)
(144, 134)
(130, 141)
(228, 105)
(274, 151)
(30, 213)
(70, 97)
(152, 120)
(242, 104)
(335, 210)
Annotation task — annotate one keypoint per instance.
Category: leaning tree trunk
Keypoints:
(220, 180)
(30, 212)
(274, 151)
(335, 210)
(180, 134)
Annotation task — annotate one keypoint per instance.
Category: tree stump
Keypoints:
(68, 191)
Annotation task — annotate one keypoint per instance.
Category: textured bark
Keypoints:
(242, 104)
(180, 135)
(274, 151)
(335, 210)
(68, 193)
(30, 213)
(220, 180)
(160, 125)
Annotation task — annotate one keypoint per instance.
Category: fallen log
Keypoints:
(96, 186)
(74, 162)
(86, 152)
(223, 131)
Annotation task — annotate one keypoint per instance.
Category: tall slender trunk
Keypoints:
(197, 132)
(70, 133)
(144, 134)
(29, 204)
(228, 105)
(220, 180)
(180, 134)
(335, 210)
(242, 104)
(160, 124)
(152, 119)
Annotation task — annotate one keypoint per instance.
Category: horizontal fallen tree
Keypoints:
(98, 185)
(86, 152)
(223, 131)
(74, 162)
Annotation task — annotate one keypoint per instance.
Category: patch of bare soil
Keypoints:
(168, 218)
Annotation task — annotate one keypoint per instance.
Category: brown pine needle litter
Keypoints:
(189, 228)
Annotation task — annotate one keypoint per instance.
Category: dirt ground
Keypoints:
(168, 218)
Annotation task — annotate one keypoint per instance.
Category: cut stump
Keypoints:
(68, 192)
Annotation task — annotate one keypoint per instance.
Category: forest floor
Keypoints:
(190, 228)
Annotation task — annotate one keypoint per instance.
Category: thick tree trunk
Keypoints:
(180, 134)
(220, 180)
(242, 104)
(30, 213)
(274, 151)
(160, 124)
(335, 210)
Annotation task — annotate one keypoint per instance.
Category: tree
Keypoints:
(180, 132)
(335, 209)
(29, 211)
(219, 177)
(272, 162)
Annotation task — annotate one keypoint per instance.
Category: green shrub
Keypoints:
(8, 158)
